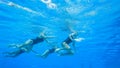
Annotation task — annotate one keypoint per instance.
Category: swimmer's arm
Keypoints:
(48, 42)
(15, 45)
(70, 36)
(28, 42)
(47, 37)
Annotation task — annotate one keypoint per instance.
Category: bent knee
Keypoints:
(65, 45)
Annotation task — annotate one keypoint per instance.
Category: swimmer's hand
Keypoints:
(42, 56)
(49, 37)
(79, 39)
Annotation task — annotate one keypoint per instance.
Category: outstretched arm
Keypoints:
(48, 37)
(28, 42)
(42, 34)
(72, 36)
(14, 45)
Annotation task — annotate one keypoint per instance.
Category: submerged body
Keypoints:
(27, 46)
(65, 50)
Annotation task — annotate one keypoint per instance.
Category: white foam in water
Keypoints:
(52, 6)
(46, 1)
(21, 7)
(49, 4)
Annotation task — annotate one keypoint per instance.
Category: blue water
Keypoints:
(98, 19)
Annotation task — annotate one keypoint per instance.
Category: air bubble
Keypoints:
(52, 5)
(46, 1)
(11, 4)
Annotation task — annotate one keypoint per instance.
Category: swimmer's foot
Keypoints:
(68, 53)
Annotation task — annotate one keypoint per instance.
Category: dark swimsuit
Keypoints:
(37, 40)
(20, 51)
(68, 40)
(51, 50)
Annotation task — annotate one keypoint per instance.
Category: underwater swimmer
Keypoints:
(49, 51)
(65, 50)
(28, 45)
(71, 39)
(66, 44)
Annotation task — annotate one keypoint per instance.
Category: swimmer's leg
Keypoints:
(27, 46)
(49, 37)
(13, 54)
(45, 54)
(67, 53)
(28, 42)
(64, 52)
(65, 45)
